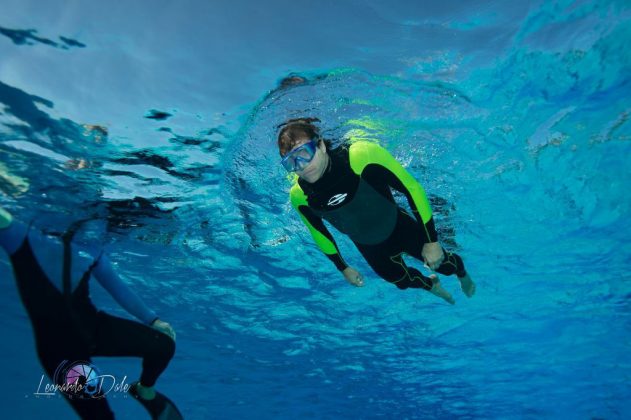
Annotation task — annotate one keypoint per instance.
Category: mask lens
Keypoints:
(305, 153)
(300, 157)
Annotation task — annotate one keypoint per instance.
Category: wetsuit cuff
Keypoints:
(431, 230)
(338, 261)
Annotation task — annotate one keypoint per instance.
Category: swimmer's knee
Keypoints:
(401, 282)
(163, 348)
(168, 348)
(401, 285)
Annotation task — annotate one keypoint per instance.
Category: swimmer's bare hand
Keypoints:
(164, 327)
(353, 276)
(433, 255)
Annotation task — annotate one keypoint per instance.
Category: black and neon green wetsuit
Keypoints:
(354, 195)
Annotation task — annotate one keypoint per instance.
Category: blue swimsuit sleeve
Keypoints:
(12, 236)
(104, 273)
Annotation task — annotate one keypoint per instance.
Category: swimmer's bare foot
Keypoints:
(438, 290)
(467, 285)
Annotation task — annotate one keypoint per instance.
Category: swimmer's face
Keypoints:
(314, 169)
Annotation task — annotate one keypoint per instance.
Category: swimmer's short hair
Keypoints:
(295, 130)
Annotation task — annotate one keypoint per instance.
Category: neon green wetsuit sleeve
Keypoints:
(319, 232)
(375, 164)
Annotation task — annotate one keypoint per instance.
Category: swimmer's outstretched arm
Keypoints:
(107, 277)
(321, 235)
(323, 238)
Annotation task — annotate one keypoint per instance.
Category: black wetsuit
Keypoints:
(68, 328)
(354, 195)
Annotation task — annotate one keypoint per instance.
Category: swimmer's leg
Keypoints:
(61, 348)
(409, 236)
(123, 337)
(393, 269)
(437, 290)
(467, 285)
(452, 264)
(417, 278)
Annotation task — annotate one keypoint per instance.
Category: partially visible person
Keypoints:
(351, 188)
(52, 277)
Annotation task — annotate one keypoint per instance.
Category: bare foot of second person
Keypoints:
(467, 285)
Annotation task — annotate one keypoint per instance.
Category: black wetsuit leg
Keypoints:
(409, 233)
(122, 337)
(386, 258)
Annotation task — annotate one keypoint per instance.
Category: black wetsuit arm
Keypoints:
(107, 277)
(326, 244)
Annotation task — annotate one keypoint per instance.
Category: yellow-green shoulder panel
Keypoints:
(364, 153)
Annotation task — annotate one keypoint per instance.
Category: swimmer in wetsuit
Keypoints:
(350, 187)
(52, 277)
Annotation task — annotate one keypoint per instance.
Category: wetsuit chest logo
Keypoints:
(337, 199)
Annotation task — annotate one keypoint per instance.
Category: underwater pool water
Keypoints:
(160, 122)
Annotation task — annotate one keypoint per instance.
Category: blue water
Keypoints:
(514, 117)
